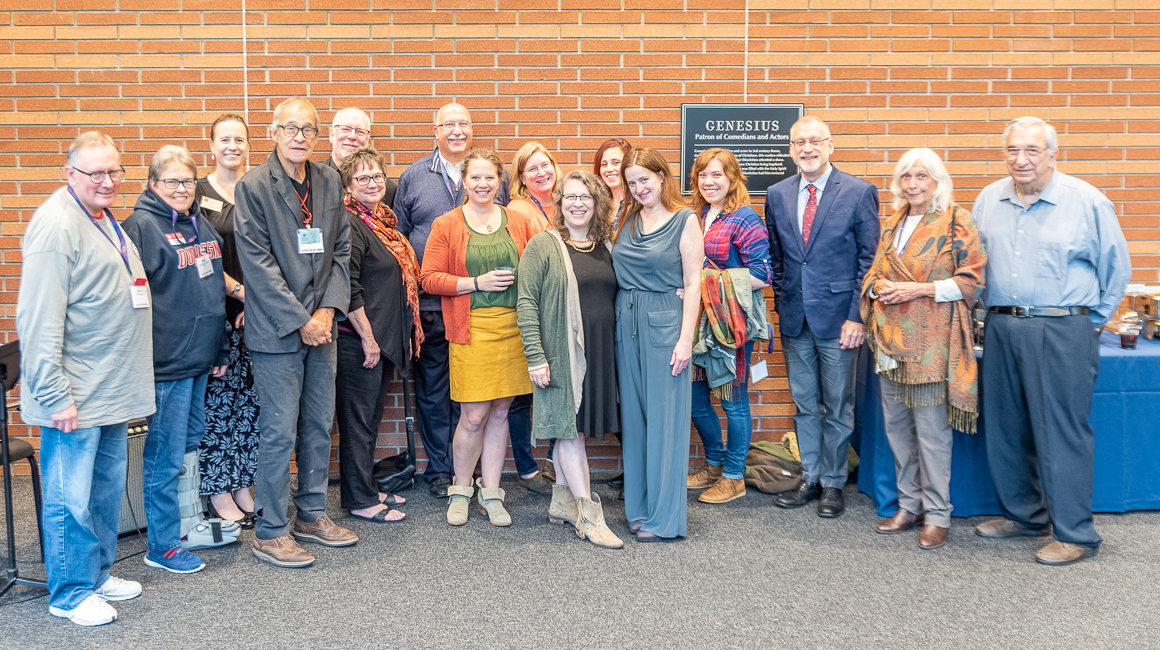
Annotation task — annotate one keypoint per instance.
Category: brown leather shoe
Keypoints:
(322, 531)
(723, 491)
(1061, 553)
(1000, 528)
(932, 536)
(902, 521)
(705, 477)
(282, 551)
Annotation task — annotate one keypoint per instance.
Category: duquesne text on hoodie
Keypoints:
(188, 256)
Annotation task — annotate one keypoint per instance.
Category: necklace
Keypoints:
(486, 225)
(587, 246)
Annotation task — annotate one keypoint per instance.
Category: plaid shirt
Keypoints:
(739, 240)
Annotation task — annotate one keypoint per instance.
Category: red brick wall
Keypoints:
(887, 75)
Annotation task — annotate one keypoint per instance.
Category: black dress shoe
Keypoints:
(439, 486)
(617, 481)
(832, 503)
(799, 496)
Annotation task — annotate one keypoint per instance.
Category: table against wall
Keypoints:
(1125, 415)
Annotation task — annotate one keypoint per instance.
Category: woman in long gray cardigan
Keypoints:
(567, 320)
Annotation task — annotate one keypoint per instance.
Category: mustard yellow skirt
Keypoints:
(493, 364)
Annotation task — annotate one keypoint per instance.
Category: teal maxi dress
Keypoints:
(655, 406)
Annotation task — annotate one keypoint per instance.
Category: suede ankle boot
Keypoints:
(563, 506)
(590, 523)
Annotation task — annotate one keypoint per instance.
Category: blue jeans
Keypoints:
(520, 428)
(174, 430)
(821, 383)
(83, 474)
(739, 421)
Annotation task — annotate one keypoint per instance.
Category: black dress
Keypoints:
(596, 282)
(229, 450)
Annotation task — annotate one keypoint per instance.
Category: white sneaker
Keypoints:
(92, 611)
(118, 589)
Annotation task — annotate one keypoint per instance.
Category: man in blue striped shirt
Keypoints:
(1057, 268)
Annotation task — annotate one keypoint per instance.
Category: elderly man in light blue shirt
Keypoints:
(1057, 267)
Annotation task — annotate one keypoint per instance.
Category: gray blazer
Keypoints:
(283, 287)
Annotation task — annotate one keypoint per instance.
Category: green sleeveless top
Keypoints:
(489, 252)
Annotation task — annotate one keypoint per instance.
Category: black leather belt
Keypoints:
(1033, 312)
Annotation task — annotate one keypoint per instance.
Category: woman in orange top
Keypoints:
(470, 260)
(534, 176)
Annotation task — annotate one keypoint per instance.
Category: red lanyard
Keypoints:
(302, 200)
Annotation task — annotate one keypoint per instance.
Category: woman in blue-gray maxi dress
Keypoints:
(655, 406)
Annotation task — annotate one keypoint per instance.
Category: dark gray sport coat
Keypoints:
(284, 287)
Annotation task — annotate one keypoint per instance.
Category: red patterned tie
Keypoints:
(808, 215)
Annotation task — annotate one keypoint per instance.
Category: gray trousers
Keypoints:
(821, 383)
(296, 391)
(921, 439)
(1038, 379)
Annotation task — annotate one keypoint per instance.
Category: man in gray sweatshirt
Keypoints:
(84, 321)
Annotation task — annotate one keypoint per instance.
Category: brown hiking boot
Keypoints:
(704, 477)
(282, 551)
(322, 531)
(723, 491)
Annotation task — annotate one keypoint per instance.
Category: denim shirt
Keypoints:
(1065, 250)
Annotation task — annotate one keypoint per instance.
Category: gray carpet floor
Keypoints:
(749, 575)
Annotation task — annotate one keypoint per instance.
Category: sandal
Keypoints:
(393, 500)
(379, 517)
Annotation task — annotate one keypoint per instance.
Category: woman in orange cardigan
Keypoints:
(470, 260)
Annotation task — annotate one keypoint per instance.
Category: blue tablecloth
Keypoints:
(1125, 415)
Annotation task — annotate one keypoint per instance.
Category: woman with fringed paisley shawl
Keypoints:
(916, 303)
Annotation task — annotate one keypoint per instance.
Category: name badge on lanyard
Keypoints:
(139, 293)
(175, 238)
(309, 238)
(310, 241)
(204, 266)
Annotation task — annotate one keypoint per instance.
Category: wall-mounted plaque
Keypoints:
(758, 134)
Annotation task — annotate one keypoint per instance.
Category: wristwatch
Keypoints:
(236, 289)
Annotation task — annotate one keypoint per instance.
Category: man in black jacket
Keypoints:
(294, 245)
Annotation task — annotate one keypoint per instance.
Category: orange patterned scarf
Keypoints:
(931, 341)
(382, 222)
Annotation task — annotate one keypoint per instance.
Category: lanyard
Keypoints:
(124, 249)
(302, 199)
(446, 180)
(193, 220)
(541, 209)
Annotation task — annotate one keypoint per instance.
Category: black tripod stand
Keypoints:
(9, 374)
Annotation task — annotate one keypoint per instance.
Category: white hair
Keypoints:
(1030, 122)
(170, 154)
(294, 101)
(351, 109)
(944, 193)
(88, 140)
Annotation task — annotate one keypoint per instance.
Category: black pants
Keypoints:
(1038, 378)
(360, 393)
(437, 415)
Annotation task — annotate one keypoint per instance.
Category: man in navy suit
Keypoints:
(823, 233)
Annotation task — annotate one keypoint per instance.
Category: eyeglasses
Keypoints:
(451, 126)
(545, 167)
(814, 142)
(347, 130)
(308, 132)
(117, 175)
(573, 198)
(1032, 153)
(363, 181)
(172, 183)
